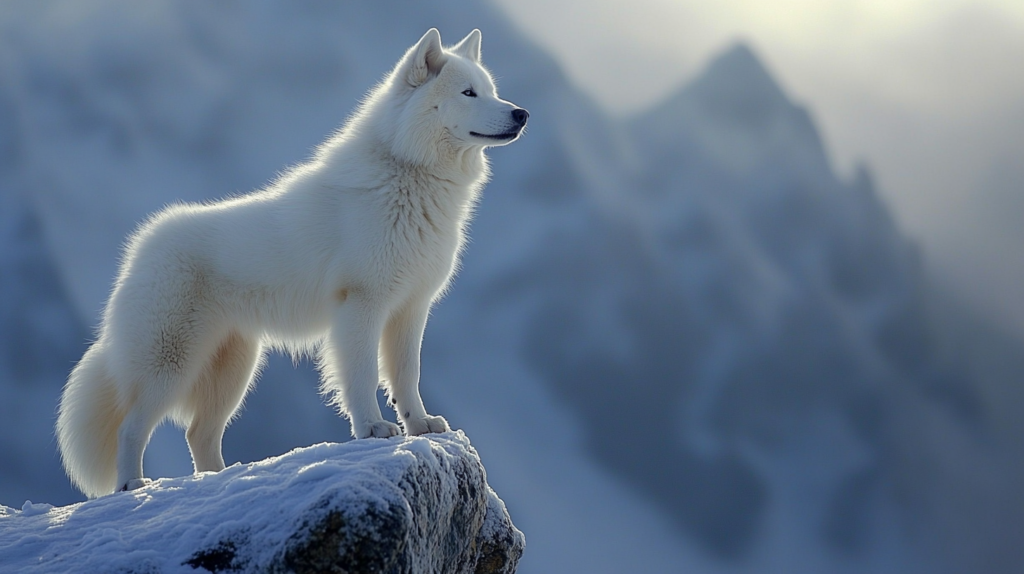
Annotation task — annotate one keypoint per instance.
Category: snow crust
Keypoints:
(159, 527)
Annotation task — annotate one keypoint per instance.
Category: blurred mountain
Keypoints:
(679, 342)
(41, 337)
(775, 339)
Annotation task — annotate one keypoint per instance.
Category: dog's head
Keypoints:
(450, 94)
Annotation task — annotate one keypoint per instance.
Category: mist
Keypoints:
(929, 95)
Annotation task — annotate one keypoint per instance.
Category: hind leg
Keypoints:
(161, 375)
(154, 401)
(216, 396)
(132, 438)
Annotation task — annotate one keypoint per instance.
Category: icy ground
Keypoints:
(256, 507)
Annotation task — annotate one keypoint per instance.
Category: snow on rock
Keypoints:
(383, 505)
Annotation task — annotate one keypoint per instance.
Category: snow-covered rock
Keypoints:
(378, 505)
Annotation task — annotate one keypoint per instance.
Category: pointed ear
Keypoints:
(469, 47)
(425, 59)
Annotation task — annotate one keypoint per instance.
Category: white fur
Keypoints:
(342, 256)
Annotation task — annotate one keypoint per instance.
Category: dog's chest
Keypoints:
(424, 231)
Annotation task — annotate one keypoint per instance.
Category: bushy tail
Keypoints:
(87, 424)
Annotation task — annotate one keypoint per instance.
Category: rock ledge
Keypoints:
(404, 505)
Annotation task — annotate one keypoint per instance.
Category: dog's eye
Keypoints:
(469, 93)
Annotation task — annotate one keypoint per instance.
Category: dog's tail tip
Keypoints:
(88, 419)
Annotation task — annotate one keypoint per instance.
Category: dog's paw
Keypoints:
(135, 484)
(379, 429)
(426, 424)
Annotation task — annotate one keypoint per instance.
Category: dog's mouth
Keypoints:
(499, 137)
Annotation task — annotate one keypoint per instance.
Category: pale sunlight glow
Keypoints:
(929, 93)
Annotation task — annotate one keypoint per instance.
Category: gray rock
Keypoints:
(432, 524)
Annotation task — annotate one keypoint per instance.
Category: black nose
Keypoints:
(520, 116)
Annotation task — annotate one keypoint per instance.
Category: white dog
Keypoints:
(342, 256)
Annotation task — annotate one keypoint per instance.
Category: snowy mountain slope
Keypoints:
(679, 343)
(776, 325)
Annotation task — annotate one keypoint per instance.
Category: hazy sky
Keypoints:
(930, 93)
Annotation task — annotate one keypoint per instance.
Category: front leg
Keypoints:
(400, 354)
(349, 365)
